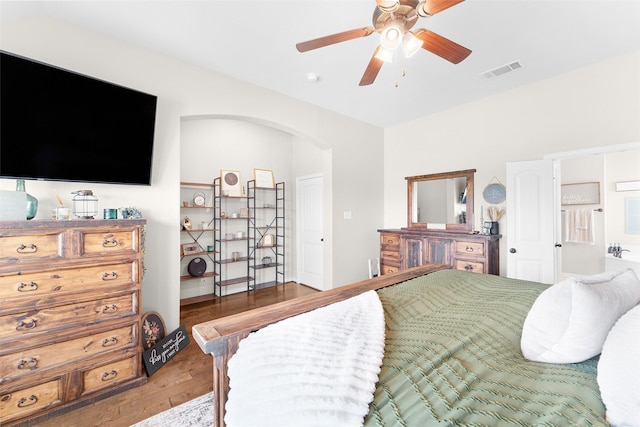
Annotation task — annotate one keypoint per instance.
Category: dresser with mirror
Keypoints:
(440, 228)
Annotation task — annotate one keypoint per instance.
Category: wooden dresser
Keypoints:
(402, 249)
(70, 296)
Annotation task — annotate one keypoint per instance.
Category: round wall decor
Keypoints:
(197, 267)
(495, 193)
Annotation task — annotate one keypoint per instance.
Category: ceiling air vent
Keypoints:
(503, 69)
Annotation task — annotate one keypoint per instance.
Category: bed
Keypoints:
(451, 353)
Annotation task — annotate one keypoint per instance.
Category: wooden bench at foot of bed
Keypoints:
(221, 337)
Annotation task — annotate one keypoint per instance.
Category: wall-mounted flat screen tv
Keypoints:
(59, 125)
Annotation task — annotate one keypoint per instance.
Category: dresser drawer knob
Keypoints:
(28, 364)
(469, 249)
(389, 241)
(108, 376)
(468, 267)
(110, 308)
(28, 287)
(24, 402)
(109, 242)
(108, 342)
(22, 325)
(110, 276)
(27, 249)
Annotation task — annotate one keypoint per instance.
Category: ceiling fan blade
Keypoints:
(372, 70)
(441, 46)
(333, 39)
(431, 7)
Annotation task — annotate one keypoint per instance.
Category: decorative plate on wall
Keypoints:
(495, 193)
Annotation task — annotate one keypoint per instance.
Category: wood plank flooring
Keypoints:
(187, 376)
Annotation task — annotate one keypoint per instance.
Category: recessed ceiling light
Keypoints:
(313, 77)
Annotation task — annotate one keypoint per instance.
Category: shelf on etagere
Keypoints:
(235, 281)
(196, 184)
(198, 253)
(231, 260)
(189, 277)
(266, 284)
(269, 265)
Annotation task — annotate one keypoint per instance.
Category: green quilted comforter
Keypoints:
(452, 358)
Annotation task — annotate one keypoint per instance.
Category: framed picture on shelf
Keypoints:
(263, 178)
(190, 248)
(231, 186)
(153, 329)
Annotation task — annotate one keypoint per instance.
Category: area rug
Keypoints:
(194, 413)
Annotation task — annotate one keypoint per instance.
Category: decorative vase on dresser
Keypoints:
(32, 202)
(70, 294)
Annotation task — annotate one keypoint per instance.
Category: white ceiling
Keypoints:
(255, 41)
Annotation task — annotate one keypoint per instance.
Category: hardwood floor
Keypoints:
(185, 377)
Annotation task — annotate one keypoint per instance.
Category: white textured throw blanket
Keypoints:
(316, 369)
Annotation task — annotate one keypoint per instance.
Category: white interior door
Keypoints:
(309, 226)
(531, 230)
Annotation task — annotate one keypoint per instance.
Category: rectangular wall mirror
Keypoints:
(442, 201)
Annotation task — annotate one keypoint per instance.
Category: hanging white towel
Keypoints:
(579, 226)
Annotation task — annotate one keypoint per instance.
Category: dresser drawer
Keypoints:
(389, 240)
(388, 269)
(110, 374)
(30, 324)
(38, 359)
(46, 284)
(109, 242)
(469, 248)
(466, 265)
(30, 247)
(29, 400)
(390, 257)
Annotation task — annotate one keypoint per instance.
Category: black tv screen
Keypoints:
(59, 125)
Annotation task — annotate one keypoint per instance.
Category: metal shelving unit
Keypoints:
(266, 231)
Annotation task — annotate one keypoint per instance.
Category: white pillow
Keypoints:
(570, 320)
(619, 371)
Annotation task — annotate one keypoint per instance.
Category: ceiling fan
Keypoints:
(393, 20)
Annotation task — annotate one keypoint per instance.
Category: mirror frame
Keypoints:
(450, 228)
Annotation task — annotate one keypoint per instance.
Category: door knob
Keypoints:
(558, 245)
(512, 250)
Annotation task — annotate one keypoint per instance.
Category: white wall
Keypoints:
(620, 167)
(594, 106)
(183, 90)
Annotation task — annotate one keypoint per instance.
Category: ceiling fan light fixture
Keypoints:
(411, 44)
(388, 6)
(391, 37)
(385, 55)
(421, 9)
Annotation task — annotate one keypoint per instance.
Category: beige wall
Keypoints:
(594, 106)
